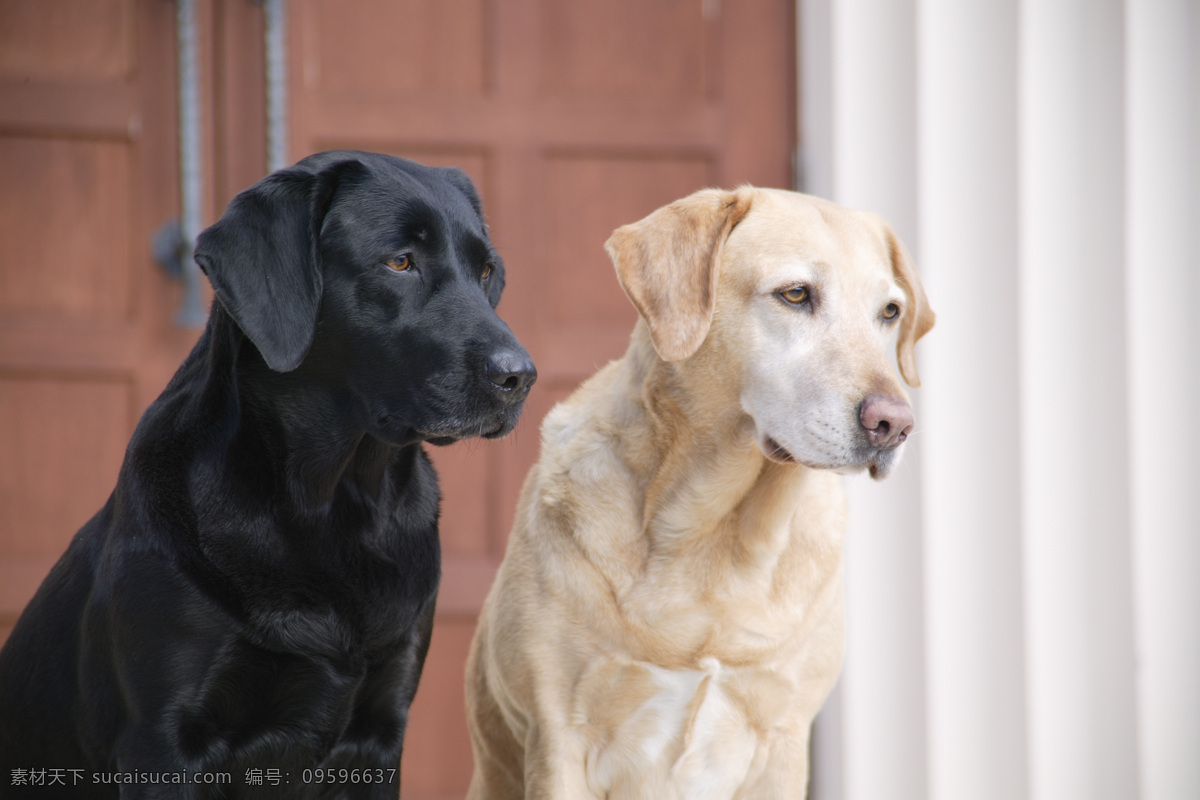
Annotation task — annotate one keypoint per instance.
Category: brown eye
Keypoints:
(400, 263)
(891, 311)
(796, 296)
(487, 272)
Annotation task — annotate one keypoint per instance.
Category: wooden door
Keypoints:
(88, 173)
(86, 338)
(573, 118)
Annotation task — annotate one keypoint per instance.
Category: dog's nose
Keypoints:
(512, 372)
(887, 420)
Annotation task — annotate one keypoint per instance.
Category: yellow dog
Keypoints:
(668, 617)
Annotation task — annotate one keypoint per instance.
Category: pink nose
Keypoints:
(887, 420)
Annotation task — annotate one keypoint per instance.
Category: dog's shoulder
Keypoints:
(202, 514)
(588, 472)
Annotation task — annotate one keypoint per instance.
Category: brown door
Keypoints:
(88, 173)
(573, 118)
(86, 339)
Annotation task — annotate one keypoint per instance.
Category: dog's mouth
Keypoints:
(502, 428)
(486, 429)
(877, 465)
(882, 464)
(777, 452)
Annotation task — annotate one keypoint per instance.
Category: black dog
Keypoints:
(249, 613)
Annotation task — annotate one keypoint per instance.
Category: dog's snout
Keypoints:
(887, 421)
(512, 372)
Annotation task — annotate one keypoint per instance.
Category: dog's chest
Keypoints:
(665, 733)
(289, 710)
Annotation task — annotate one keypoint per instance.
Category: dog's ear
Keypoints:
(667, 265)
(461, 181)
(262, 258)
(918, 317)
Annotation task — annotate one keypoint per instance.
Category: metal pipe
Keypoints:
(191, 183)
(275, 48)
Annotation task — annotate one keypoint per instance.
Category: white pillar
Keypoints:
(1163, 287)
(1074, 443)
(967, 68)
(1042, 161)
(871, 80)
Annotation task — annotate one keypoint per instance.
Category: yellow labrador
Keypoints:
(668, 618)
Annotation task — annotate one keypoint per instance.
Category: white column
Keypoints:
(814, 63)
(1074, 443)
(874, 166)
(1042, 160)
(968, 230)
(1163, 288)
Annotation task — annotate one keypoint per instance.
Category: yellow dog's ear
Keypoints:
(667, 265)
(918, 317)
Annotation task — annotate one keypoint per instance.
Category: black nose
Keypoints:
(512, 372)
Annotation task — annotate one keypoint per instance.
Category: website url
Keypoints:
(77, 777)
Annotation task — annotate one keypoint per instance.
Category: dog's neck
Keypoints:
(353, 465)
(326, 456)
(701, 475)
(710, 517)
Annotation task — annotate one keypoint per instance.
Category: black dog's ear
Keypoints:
(461, 181)
(261, 258)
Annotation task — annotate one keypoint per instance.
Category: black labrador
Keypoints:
(249, 613)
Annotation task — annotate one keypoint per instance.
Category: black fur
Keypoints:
(257, 595)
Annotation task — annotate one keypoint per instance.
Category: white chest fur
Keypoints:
(668, 733)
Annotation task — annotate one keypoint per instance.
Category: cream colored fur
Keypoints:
(668, 617)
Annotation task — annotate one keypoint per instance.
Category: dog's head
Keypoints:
(377, 274)
(787, 304)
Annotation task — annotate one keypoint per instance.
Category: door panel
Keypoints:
(71, 424)
(624, 48)
(66, 40)
(75, 195)
(395, 47)
(437, 750)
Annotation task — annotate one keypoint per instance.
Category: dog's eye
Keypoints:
(796, 296)
(487, 272)
(891, 311)
(400, 263)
